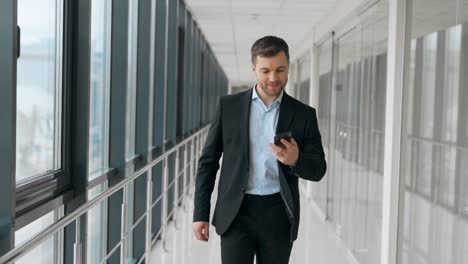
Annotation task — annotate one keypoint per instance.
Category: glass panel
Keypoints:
(304, 79)
(325, 90)
(171, 75)
(355, 122)
(132, 76)
(159, 75)
(96, 227)
(324, 117)
(38, 88)
(99, 105)
(45, 252)
(434, 144)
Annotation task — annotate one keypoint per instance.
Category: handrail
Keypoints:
(45, 234)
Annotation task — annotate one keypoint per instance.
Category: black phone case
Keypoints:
(285, 135)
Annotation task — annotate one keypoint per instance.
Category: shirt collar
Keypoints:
(277, 100)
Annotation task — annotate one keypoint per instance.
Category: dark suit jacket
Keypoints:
(229, 135)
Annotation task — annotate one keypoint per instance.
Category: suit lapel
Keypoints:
(286, 116)
(245, 121)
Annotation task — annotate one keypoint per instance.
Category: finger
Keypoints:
(206, 232)
(199, 235)
(202, 237)
(276, 149)
(293, 141)
(286, 143)
(281, 155)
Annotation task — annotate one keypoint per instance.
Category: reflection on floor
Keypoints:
(317, 242)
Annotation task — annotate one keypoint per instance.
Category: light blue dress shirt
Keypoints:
(263, 174)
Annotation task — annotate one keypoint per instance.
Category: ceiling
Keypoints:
(231, 26)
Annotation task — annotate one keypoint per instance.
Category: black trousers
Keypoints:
(261, 228)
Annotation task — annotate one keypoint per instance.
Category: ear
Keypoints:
(253, 68)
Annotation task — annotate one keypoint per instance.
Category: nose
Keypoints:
(273, 77)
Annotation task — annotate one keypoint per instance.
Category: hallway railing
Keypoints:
(185, 174)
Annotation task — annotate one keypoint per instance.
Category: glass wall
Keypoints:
(351, 112)
(48, 251)
(99, 126)
(100, 81)
(39, 88)
(68, 154)
(324, 51)
(303, 84)
(434, 147)
(96, 228)
(132, 77)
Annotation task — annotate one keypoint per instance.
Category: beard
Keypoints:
(272, 89)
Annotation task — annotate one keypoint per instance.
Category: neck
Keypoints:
(266, 99)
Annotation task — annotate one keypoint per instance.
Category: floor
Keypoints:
(316, 243)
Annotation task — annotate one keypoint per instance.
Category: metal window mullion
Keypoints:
(151, 81)
(58, 84)
(392, 198)
(166, 34)
(108, 44)
(78, 87)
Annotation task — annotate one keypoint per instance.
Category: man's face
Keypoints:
(271, 73)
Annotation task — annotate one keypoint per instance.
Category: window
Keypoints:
(132, 78)
(99, 125)
(39, 74)
(47, 251)
(99, 99)
(96, 226)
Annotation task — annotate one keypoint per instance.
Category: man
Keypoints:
(257, 208)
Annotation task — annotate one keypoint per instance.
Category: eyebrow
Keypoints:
(281, 67)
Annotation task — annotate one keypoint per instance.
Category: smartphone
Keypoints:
(284, 135)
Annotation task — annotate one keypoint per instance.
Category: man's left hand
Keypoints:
(287, 155)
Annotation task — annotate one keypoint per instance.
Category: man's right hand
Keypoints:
(201, 230)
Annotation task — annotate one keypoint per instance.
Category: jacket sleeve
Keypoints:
(311, 164)
(208, 166)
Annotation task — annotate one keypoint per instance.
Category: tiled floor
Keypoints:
(316, 243)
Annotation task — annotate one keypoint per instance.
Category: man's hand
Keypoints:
(288, 155)
(201, 230)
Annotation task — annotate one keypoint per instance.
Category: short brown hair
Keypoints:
(269, 46)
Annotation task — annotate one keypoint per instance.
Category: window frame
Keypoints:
(41, 193)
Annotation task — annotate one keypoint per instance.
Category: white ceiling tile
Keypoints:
(231, 27)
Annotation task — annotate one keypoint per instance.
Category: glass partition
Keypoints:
(434, 136)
